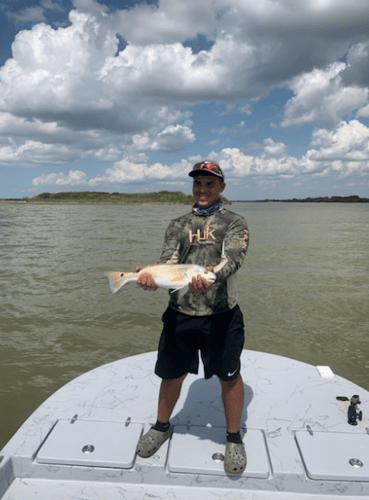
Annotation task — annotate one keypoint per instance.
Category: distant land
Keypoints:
(158, 198)
(326, 199)
(97, 197)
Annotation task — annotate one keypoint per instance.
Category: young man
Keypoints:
(207, 318)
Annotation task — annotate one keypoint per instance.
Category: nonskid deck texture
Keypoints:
(80, 444)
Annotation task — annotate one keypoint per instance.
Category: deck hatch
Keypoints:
(91, 443)
(338, 456)
(199, 450)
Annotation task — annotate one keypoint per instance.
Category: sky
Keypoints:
(125, 96)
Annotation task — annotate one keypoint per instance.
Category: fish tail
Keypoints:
(117, 280)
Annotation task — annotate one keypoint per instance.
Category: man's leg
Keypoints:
(233, 396)
(168, 397)
(170, 390)
(235, 455)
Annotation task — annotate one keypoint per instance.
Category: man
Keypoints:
(207, 318)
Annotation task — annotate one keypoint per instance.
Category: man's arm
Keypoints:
(235, 245)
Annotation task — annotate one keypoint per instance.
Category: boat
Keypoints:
(306, 432)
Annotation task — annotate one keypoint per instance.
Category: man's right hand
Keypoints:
(146, 280)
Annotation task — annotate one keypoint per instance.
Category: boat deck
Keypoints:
(80, 444)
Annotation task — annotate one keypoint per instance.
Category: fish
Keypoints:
(172, 276)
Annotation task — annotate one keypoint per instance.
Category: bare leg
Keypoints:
(168, 397)
(233, 396)
(150, 442)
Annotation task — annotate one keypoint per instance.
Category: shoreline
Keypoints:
(152, 199)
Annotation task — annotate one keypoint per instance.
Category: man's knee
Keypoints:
(229, 384)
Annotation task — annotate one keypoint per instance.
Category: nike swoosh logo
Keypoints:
(230, 374)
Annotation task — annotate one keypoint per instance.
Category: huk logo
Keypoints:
(205, 236)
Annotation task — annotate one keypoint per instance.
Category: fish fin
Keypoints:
(181, 291)
(117, 280)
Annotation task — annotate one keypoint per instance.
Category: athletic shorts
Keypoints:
(219, 338)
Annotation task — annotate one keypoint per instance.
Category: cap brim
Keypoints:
(194, 173)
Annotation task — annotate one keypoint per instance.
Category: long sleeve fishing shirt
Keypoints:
(219, 240)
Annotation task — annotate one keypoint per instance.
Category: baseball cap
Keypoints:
(207, 167)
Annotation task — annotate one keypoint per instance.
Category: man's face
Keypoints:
(206, 189)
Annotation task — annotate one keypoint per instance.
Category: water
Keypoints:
(303, 291)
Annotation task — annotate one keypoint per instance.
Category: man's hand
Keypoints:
(146, 280)
(200, 284)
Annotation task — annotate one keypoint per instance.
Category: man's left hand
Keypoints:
(200, 284)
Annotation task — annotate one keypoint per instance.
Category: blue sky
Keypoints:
(127, 96)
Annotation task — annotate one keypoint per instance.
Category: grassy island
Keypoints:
(103, 198)
(324, 199)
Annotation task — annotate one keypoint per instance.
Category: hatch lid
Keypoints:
(91, 443)
(199, 450)
(338, 456)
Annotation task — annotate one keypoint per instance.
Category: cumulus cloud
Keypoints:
(74, 178)
(320, 97)
(348, 143)
(172, 138)
(273, 148)
(32, 152)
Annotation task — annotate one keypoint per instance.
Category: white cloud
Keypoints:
(172, 138)
(348, 143)
(126, 171)
(273, 148)
(74, 178)
(321, 98)
(170, 22)
(34, 153)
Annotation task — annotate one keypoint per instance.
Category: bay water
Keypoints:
(303, 290)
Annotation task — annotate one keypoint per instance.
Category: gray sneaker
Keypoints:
(151, 442)
(235, 458)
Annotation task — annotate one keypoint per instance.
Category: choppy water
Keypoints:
(303, 291)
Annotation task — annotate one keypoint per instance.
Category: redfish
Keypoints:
(172, 276)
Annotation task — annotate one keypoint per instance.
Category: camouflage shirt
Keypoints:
(218, 240)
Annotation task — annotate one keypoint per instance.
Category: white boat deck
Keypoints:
(80, 444)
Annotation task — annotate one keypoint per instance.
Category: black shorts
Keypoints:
(219, 338)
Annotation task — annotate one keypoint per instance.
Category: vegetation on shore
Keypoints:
(159, 198)
(96, 197)
(325, 199)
